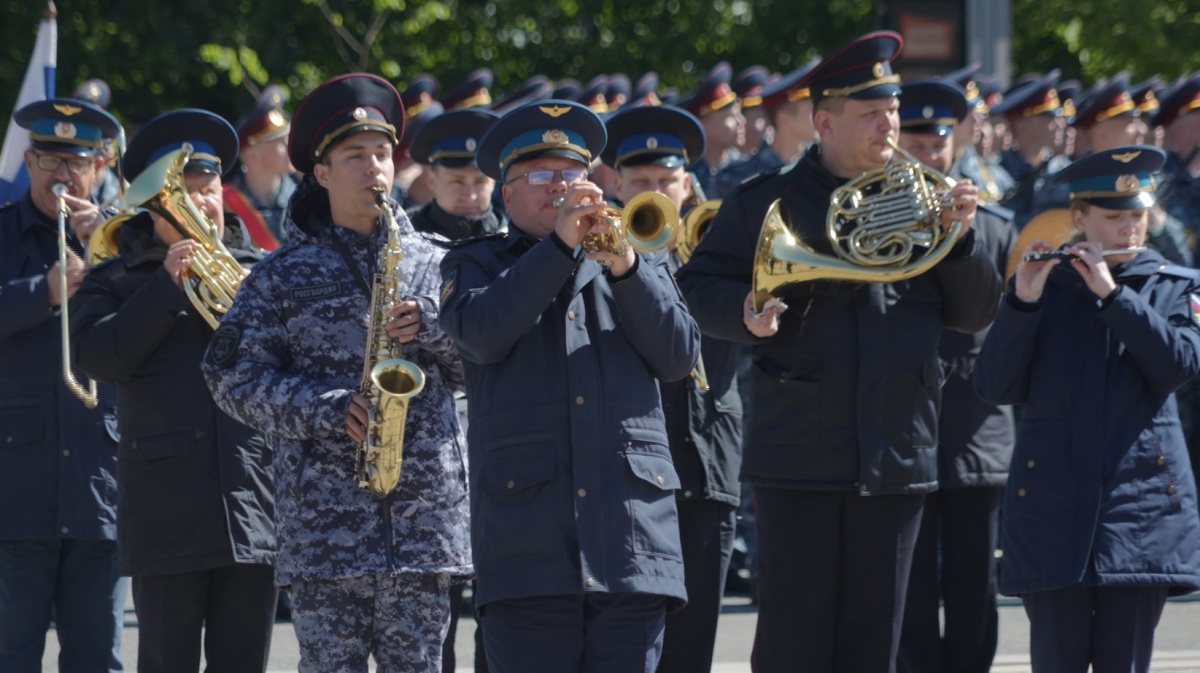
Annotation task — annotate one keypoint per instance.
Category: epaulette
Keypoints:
(499, 236)
(8, 205)
(436, 239)
(1180, 271)
(759, 177)
(1006, 214)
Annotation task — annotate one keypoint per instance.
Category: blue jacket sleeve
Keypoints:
(24, 303)
(253, 383)
(114, 338)
(656, 320)
(1167, 349)
(485, 316)
(1001, 374)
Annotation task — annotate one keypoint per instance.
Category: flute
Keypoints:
(1059, 254)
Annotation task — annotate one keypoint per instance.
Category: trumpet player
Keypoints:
(577, 549)
(370, 571)
(975, 441)
(651, 148)
(841, 445)
(58, 549)
(195, 526)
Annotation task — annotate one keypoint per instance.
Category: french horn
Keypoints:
(884, 226)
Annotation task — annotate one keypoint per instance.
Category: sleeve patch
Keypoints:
(1195, 302)
(224, 345)
(448, 285)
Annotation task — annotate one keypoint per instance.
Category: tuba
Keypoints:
(214, 275)
(388, 382)
(884, 226)
(647, 223)
(86, 395)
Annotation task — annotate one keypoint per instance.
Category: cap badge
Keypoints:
(1127, 157)
(68, 110)
(927, 112)
(1128, 183)
(93, 90)
(64, 130)
(275, 118)
(555, 111)
(359, 113)
(276, 99)
(877, 70)
(652, 142)
(554, 136)
(470, 144)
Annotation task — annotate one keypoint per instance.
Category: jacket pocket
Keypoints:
(21, 430)
(516, 510)
(928, 398)
(653, 516)
(164, 446)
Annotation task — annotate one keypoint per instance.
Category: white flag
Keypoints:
(38, 85)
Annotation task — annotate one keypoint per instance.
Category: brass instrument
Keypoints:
(884, 226)
(647, 223)
(104, 243)
(86, 395)
(694, 226)
(388, 382)
(213, 276)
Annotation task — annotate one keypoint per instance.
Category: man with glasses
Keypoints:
(58, 550)
(573, 516)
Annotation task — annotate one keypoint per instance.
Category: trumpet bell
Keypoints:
(647, 224)
(694, 226)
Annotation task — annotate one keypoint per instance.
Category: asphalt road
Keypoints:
(1177, 644)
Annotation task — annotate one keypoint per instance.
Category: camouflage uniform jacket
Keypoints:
(289, 357)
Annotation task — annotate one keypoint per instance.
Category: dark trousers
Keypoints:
(706, 529)
(833, 570)
(233, 607)
(1110, 628)
(449, 660)
(587, 633)
(963, 524)
(79, 581)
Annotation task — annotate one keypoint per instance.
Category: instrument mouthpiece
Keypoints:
(60, 190)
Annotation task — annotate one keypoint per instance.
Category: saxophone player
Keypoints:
(370, 574)
(194, 526)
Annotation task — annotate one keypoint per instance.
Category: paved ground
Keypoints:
(1177, 646)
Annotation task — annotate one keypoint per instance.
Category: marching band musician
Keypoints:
(194, 528)
(58, 500)
(842, 441)
(574, 529)
(370, 573)
(650, 148)
(1100, 522)
(1034, 115)
(975, 438)
(720, 113)
(259, 192)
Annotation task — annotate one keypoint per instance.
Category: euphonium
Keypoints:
(647, 223)
(884, 226)
(388, 381)
(86, 395)
(695, 224)
(214, 275)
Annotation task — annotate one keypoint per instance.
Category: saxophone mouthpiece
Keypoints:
(381, 196)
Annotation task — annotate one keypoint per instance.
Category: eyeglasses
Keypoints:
(75, 165)
(568, 175)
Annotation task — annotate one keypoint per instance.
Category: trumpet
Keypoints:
(647, 224)
(86, 395)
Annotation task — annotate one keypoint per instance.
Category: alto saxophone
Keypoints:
(388, 382)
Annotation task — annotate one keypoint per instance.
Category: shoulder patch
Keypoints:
(224, 345)
(1194, 301)
(448, 285)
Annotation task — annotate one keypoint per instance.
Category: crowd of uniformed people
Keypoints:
(607, 425)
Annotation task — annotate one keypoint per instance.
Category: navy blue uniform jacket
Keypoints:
(57, 458)
(571, 479)
(1100, 490)
(845, 396)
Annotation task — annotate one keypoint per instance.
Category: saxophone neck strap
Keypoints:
(348, 258)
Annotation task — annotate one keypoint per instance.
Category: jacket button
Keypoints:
(687, 494)
(65, 530)
(570, 315)
(579, 400)
(1162, 460)
(1171, 489)
(67, 452)
(1021, 492)
(582, 492)
(511, 483)
(591, 581)
(8, 439)
(661, 481)
(1030, 464)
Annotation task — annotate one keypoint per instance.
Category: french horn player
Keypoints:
(841, 446)
(333, 347)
